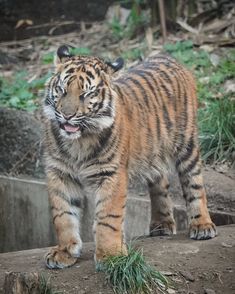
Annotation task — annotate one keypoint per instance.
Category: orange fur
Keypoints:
(102, 132)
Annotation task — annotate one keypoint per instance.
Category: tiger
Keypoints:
(104, 129)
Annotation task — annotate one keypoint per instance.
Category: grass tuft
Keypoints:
(132, 275)
(217, 130)
(45, 286)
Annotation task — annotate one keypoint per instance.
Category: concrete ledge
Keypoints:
(25, 217)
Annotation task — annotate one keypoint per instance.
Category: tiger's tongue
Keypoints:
(70, 128)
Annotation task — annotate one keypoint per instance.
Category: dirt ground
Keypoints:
(194, 267)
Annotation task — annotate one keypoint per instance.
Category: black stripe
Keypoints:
(89, 81)
(110, 151)
(196, 187)
(100, 201)
(69, 71)
(167, 119)
(130, 92)
(158, 125)
(104, 173)
(71, 80)
(141, 88)
(190, 167)
(63, 213)
(196, 173)
(59, 141)
(109, 216)
(54, 208)
(122, 98)
(143, 74)
(193, 198)
(90, 74)
(187, 155)
(107, 225)
(196, 216)
(104, 138)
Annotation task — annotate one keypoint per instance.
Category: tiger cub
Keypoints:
(101, 132)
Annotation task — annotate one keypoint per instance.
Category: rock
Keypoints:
(215, 59)
(187, 275)
(226, 245)
(229, 86)
(21, 283)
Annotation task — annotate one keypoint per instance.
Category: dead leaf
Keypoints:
(21, 22)
(187, 27)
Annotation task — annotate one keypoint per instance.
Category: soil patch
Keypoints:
(193, 266)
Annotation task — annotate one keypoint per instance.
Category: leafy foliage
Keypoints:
(136, 21)
(132, 275)
(19, 93)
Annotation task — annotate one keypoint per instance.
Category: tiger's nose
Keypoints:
(68, 111)
(68, 116)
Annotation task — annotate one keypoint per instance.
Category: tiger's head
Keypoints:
(79, 96)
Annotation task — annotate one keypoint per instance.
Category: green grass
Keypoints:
(133, 54)
(136, 21)
(217, 130)
(217, 118)
(132, 275)
(18, 93)
(45, 286)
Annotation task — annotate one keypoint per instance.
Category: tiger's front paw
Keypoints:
(202, 231)
(58, 258)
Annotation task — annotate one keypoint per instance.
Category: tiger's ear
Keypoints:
(115, 66)
(62, 55)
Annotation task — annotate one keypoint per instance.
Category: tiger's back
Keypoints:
(158, 104)
(102, 131)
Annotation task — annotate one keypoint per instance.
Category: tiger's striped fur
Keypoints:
(101, 132)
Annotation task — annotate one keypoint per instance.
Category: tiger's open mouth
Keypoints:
(69, 128)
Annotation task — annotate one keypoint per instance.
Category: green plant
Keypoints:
(18, 93)
(132, 54)
(137, 20)
(45, 286)
(217, 129)
(132, 275)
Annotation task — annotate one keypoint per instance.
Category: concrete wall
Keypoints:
(25, 218)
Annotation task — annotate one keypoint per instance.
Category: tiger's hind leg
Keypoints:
(162, 219)
(66, 204)
(189, 169)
